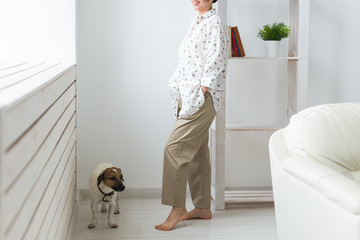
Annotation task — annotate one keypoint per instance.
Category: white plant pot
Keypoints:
(272, 48)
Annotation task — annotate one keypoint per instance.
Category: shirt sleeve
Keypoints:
(216, 54)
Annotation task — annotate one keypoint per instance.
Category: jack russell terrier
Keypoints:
(105, 183)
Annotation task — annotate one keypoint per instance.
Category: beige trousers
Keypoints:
(187, 158)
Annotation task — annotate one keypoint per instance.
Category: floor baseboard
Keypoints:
(128, 193)
(83, 194)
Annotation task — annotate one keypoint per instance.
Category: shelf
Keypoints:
(252, 127)
(296, 100)
(266, 58)
(247, 195)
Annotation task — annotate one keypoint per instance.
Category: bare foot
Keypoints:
(176, 215)
(202, 213)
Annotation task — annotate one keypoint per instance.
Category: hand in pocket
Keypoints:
(204, 89)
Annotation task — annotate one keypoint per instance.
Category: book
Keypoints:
(230, 41)
(239, 42)
(236, 43)
(234, 51)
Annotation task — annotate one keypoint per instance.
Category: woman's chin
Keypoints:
(196, 6)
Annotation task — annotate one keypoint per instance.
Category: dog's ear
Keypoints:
(120, 174)
(100, 178)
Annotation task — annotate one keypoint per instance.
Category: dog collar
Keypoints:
(106, 195)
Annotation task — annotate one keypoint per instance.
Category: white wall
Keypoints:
(334, 51)
(38, 30)
(127, 50)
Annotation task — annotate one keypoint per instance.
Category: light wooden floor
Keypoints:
(138, 217)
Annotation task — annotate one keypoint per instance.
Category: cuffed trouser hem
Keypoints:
(203, 207)
(177, 205)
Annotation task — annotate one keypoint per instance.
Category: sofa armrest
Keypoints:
(335, 186)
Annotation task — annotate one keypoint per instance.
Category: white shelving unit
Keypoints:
(297, 77)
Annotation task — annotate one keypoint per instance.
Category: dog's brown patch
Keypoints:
(112, 177)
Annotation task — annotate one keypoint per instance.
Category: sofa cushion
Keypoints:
(333, 185)
(328, 133)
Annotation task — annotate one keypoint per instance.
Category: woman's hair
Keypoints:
(214, 1)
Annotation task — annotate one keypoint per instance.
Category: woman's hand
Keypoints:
(204, 89)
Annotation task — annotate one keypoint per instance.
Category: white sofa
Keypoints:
(315, 167)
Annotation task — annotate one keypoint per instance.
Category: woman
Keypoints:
(197, 88)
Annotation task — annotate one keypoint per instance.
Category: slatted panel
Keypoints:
(52, 201)
(48, 230)
(21, 73)
(31, 174)
(62, 210)
(23, 103)
(28, 147)
(37, 149)
(17, 69)
(26, 211)
(44, 213)
(11, 64)
(63, 228)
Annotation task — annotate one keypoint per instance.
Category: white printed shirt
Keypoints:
(202, 55)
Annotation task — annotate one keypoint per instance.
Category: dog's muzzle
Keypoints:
(119, 188)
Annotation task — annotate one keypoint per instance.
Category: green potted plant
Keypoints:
(272, 35)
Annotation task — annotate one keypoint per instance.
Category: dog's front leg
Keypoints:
(111, 222)
(117, 200)
(94, 210)
(103, 207)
